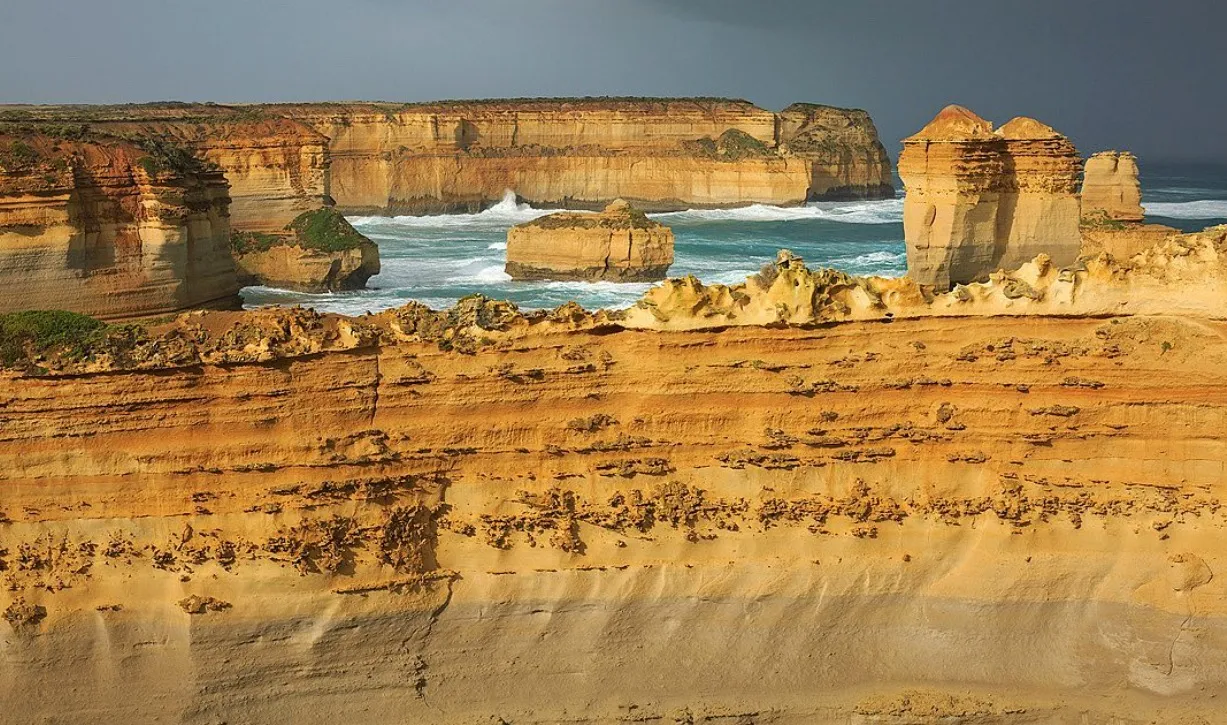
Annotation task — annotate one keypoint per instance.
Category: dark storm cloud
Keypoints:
(1133, 74)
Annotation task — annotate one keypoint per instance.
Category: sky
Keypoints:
(1145, 75)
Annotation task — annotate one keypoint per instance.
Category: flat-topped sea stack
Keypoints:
(619, 244)
(1113, 219)
(981, 199)
(317, 252)
(107, 228)
(1111, 189)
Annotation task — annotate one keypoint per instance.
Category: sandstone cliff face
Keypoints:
(619, 244)
(447, 157)
(979, 200)
(439, 516)
(103, 230)
(1110, 189)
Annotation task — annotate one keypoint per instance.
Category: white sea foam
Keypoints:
(506, 213)
(886, 211)
(497, 245)
(1201, 209)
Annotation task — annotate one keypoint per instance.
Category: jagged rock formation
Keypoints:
(435, 516)
(981, 199)
(1110, 188)
(110, 230)
(317, 252)
(620, 244)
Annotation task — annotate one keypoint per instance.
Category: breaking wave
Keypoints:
(886, 211)
(1201, 209)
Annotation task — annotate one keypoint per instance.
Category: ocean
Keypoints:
(437, 260)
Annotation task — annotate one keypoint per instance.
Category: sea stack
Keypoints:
(317, 252)
(1113, 220)
(979, 199)
(619, 244)
(1111, 190)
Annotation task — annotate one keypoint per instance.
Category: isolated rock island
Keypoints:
(619, 244)
(317, 252)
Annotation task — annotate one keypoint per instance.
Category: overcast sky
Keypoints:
(1146, 75)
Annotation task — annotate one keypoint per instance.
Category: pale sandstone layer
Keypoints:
(1111, 188)
(998, 505)
(981, 199)
(103, 228)
(620, 244)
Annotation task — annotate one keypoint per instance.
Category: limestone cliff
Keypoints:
(584, 153)
(981, 199)
(111, 230)
(282, 160)
(974, 517)
(620, 244)
(317, 252)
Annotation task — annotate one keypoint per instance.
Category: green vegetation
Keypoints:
(1099, 219)
(632, 219)
(324, 230)
(733, 145)
(164, 155)
(250, 242)
(25, 334)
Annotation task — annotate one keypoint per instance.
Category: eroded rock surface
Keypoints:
(317, 252)
(1111, 189)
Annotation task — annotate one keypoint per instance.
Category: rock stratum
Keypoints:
(110, 228)
(620, 244)
(807, 498)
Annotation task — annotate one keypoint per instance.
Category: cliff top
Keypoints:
(618, 215)
(1026, 129)
(323, 230)
(954, 123)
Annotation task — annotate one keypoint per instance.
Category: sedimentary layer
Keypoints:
(110, 229)
(886, 506)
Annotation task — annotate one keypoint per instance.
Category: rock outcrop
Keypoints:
(1112, 214)
(317, 252)
(109, 229)
(981, 199)
(433, 516)
(620, 244)
(1111, 189)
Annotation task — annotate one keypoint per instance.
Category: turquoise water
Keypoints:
(439, 259)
